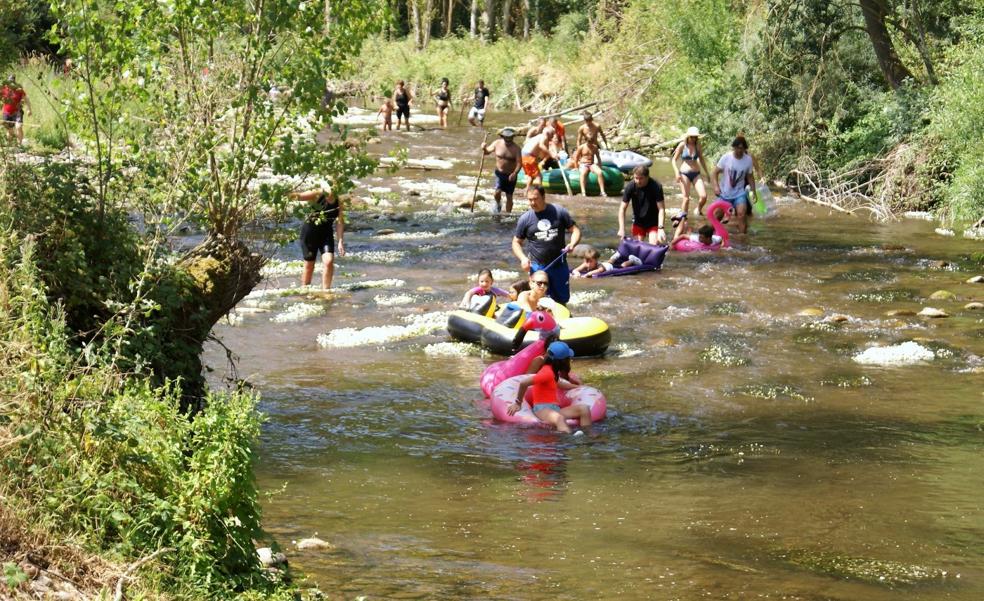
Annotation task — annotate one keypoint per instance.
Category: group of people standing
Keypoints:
(402, 99)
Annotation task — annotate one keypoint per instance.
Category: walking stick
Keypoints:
(567, 184)
(478, 178)
(461, 113)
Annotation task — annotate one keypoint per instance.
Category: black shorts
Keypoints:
(550, 164)
(317, 237)
(12, 118)
(503, 183)
(403, 111)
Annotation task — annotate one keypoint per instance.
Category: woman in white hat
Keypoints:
(690, 156)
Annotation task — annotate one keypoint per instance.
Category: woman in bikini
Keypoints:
(688, 172)
(443, 97)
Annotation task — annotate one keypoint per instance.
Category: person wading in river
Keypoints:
(590, 132)
(507, 165)
(648, 208)
(477, 112)
(733, 178)
(537, 152)
(402, 98)
(443, 98)
(542, 229)
(317, 235)
(688, 173)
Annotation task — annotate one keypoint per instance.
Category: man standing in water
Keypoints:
(481, 103)
(648, 208)
(589, 132)
(733, 178)
(538, 152)
(542, 228)
(506, 167)
(15, 101)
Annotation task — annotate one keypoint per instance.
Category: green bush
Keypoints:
(106, 456)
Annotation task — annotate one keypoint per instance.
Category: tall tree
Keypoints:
(875, 14)
(473, 19)
(488, 21)
(507, 21)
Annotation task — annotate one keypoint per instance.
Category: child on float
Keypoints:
(485, 287)
(517, 288)
(591, 266)
(545, 383)
(705, 234)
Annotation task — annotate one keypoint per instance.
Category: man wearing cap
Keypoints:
(542, 229)
(507, 166)
(14, 100)
(648, 208)
(733, 179)
(590, 131)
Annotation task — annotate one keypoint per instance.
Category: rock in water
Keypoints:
(900, 313)
(811, 312)
(907, 353)
(313, 543)
(269, 559)
(975, 306)
(942, 295)
(385, 232)
(933, 313)
(977, 279)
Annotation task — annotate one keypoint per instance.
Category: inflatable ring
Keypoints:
(586, 336)
(687, 245)
(505, 393)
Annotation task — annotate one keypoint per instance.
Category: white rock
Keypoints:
(933, 312)
(313, 543)
(942, 231)
(907, 353)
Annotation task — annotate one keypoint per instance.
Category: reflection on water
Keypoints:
(746, 453)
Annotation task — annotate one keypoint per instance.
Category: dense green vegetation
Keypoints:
(109, 435)
(888, 103)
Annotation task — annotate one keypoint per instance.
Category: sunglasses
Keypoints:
(541, 283)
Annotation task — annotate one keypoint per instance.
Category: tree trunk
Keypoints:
(219, 275)
(473, 19)
(418, 34)
(426, 21)
(327, 17)
(506, 17)
(449, 20)
(875, 12)
(488, 21)
(526, 19)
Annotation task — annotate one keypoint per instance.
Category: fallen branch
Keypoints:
(128, 574)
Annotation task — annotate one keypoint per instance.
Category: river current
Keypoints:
(750, 452)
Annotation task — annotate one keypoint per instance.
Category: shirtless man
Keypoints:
(536, 150)
(590, 131)
(507, 164)
(561, 134)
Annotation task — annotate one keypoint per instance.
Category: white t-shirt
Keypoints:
(734, 174)
(715, 239)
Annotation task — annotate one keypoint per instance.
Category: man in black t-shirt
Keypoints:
(648, 208)
(543, 229)
(481, 103)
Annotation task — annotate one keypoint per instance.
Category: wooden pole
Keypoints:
(461, 113)
(478, 178)
(567, 184)
(576, 108)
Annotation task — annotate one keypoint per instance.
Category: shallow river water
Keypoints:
(747, 453)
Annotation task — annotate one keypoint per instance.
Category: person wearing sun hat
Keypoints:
(507, 165)
(590, 131)
(690, 157)
(545, 383)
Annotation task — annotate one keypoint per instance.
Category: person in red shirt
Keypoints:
(14, 100)
(545, 383)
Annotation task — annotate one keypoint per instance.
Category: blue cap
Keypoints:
(559, 350)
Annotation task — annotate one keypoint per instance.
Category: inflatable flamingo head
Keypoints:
(539, 320)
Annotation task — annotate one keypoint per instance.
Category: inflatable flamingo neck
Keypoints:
(719, 229)
(539, 320)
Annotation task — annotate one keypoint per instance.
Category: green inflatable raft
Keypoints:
(553, 181)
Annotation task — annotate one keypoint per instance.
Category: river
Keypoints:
(747, 453)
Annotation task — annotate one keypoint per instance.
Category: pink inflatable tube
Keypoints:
(686, 245)
(518, 364)
(505, 393)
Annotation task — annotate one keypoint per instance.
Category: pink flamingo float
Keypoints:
(687, 245)
(494, 374)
